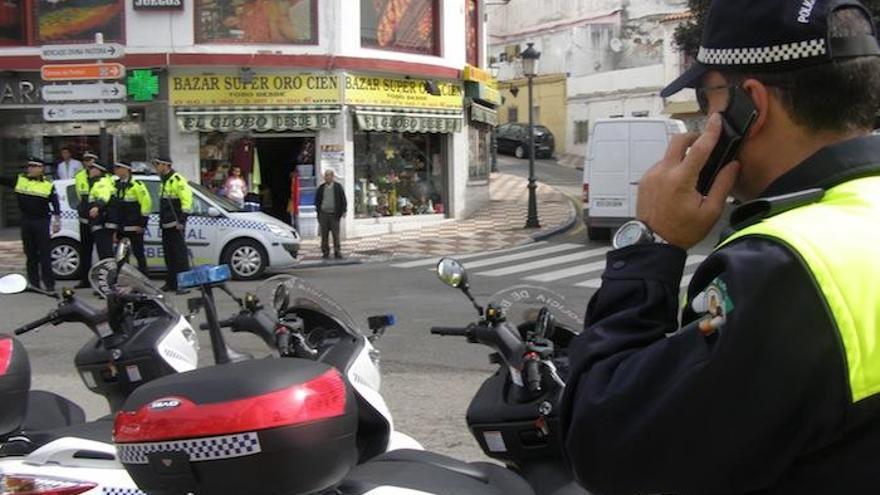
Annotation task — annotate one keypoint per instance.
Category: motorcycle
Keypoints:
(45, 442)
(294, 426)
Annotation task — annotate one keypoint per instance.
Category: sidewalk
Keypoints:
(497, 226)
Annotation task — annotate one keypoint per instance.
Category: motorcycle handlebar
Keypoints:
(450, 331)
(532, 374)
(36, 323)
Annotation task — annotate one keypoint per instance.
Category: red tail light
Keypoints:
(586, 193)
(20, 484)
(5, 355)
(173, 418)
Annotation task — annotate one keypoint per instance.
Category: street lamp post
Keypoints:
(529, 63)
(493, 143)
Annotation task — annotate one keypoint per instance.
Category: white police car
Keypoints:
(217, 231)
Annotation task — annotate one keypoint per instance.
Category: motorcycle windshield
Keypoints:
(521, 304)
(287, 293)
(105, 280)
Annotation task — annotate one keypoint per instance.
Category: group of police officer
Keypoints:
(109, 209)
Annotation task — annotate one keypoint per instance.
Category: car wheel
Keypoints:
(520, 151)
(246, 258)
(599, 233)
(65, 259)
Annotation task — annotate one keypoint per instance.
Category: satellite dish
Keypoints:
(616, 45)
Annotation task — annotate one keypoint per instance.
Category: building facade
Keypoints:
(612, 58)
(387, 95)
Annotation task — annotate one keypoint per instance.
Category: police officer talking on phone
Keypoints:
(770, 381)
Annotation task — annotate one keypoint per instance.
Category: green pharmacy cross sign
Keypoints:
(143, 85)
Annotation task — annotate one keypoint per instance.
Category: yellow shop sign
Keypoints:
(272, 88)
(393, 92)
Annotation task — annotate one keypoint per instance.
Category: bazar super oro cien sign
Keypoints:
(261, 89)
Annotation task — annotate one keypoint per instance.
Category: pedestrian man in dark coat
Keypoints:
(331, 207)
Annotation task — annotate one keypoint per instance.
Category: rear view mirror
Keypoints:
(13, 284)
(452, 273)
(213, 212)
(122, 250)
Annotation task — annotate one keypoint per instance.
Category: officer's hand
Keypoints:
(180, 227)
(138, 230)
(668, 200)
(56, 225)
(93, 212)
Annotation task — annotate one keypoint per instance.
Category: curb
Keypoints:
(560, 228)
(325, 264)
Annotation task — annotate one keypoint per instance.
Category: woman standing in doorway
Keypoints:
(236, 187)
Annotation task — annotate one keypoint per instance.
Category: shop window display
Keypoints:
(12, 22)
(257, 21)
(78, 20)
(402, 25)
(399, 174)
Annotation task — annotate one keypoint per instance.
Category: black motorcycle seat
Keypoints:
(100, 430)
(46, 411)
(433, 473)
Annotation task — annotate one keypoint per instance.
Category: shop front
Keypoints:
(260, 128)
(25, 133)
(403, 131)
(481, 100)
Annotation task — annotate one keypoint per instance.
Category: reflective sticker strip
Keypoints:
(106, 490)
(233, 223)
(198, 449)
(69, 215)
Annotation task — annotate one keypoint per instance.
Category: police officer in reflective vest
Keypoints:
(129, 211)
(770, 381)
(84, 179)
(175, 203)
(38, 202)
(99, 200)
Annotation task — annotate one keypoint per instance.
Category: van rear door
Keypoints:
(647, 146)
(609, 170)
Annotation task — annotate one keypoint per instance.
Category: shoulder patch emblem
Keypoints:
(714, 304)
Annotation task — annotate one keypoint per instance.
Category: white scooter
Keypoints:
(293, 426)
(45, 443)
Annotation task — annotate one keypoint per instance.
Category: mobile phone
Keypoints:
(736, 121)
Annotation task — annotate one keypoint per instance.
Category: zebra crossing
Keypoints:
(543, 262)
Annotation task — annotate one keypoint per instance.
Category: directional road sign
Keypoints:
(82, 52)
(92, 91)
(84, 111)
(81, 72)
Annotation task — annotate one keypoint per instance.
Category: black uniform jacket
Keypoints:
(760, 406)
(34, 207)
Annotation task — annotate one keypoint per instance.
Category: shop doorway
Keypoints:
(279, 156)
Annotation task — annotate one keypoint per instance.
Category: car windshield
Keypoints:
(220, 200)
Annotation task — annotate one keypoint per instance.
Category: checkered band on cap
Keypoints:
(198, 449)
(763, 55)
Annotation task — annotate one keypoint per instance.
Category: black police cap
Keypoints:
(36, 162)
(772, 36)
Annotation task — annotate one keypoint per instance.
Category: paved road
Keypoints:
(428, 381)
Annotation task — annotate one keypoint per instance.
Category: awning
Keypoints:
(484, 114)
(388, 119)
(681, 107)
(224, 119)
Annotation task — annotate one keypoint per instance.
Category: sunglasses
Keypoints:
(703, 99)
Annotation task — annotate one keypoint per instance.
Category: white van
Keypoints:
(618, 154)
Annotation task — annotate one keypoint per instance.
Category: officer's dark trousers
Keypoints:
(86, 244)
(137, 249)
(176, 255)
(35, 239)
(103, 242)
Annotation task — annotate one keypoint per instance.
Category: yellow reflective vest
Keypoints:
(843, 260)
(99, 196)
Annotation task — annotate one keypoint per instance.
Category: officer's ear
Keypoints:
(759, 93)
